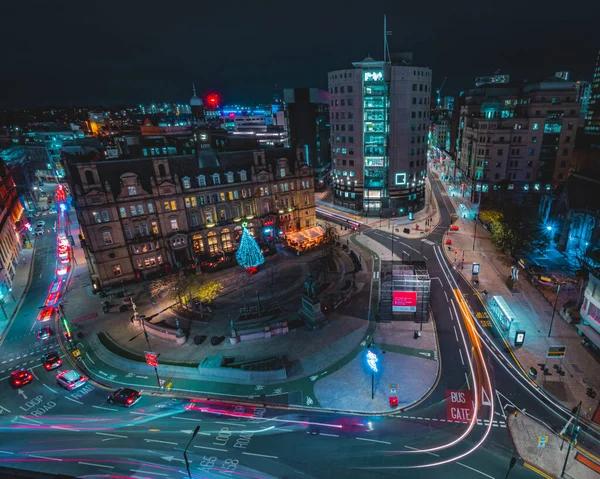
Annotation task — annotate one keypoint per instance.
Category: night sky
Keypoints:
(128, 52)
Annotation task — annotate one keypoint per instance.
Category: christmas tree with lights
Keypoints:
(248, 254)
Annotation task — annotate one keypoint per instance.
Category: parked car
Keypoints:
(125, 397)
(46, 313)
(38, 231)
(20, 378)
(40, 224)
(70, 379)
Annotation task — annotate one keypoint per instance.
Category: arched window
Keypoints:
(226, 240)
(237, 233)
(161, 170)
(89, 177)
(213, 245)
(198, 243)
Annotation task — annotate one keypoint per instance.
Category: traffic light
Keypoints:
(591, 393)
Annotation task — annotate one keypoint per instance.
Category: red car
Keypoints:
(20, 378)
(56, 286)
(46, 314)
(52, 299)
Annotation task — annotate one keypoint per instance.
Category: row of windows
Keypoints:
(420, 87)
(341, 115)
(343, 151)
(419, 114)
(335, 75)
(342, 89)
(344, 173)
(350, 162)
(338, 127)
(420, 101)
(342, 139)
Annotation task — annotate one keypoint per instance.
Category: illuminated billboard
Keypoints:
(404, 301)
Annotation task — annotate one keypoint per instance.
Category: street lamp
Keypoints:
(187, 463)
(142, 320)
(574, 433)
(554, 309)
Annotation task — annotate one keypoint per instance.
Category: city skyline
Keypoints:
(90, 62)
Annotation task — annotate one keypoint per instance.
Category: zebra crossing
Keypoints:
(429, 242)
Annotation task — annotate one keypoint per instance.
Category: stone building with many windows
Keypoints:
(143, 216)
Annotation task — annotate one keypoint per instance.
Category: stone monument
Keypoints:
(310, 310)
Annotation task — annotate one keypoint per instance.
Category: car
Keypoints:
(40, 224)
(125, 397)
(38, 231)
(70, 379)
(52, 299)
(46, 313)
(45, 333)
(66, 260)
(56, 286)
(62, 270)
(51, 360)
(20, 378)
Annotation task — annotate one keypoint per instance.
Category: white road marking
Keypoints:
(211, 448)
(2, 408)
(33, 372)
(143, 414)
(473, 469)
(88, 356)
(161, 442)
(106, 408)
(44, 457)
(112, 435)
(447, 300)
(260, 455)
(32, 420)
(74, 400)
(97, 465)
(230, 424)
(187, 419)
(372, 440)
(329, 435)
(415, 449)
(148, 472)
(455, 333)
(6, 452)
(468, 386)
(461, 358)
(53, 390)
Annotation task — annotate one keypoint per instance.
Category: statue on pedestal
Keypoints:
(310, 287)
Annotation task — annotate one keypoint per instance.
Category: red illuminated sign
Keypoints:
(151, 358)
(404, 301)
(459, 405)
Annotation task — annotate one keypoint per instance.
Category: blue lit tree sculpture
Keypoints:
(248, 254)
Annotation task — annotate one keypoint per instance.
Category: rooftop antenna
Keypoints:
(386, 47)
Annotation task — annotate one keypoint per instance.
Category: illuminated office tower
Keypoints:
(379, 115)
(592, 117)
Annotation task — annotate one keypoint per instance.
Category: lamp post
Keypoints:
(372, 361)
(136, 316)
(187, 463)
(554, 309)
(574, 433)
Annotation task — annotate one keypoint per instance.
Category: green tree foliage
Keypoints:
(516, 227)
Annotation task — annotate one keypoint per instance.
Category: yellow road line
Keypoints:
(535, 469)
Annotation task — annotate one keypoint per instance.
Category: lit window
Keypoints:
(174, 224)
(536, 126)
(243, 175)
(150, 208)
(117, 270)
(97, 218)
(209, 216)
(186, 182)
(123, 212)
(282, 172)
(140, 209)
(132, 190)
(216, 179)
(202, 180)
(221, 196)
(105, 216)
(133, 210)
(229, 176)
(107, 237)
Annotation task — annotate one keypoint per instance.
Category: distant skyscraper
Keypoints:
(592, 118)
(584, 95)
(563, 75)
(308, 116)
(379, 114)
(498, 78)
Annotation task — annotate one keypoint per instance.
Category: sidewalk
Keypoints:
(13, 301)
(549, 459)
(533, 313)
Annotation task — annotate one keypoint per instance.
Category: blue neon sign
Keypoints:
(372, 361)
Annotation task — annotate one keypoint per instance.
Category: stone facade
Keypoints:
(143, 216)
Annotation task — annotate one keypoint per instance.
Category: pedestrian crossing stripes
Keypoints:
(480, 422)
(429, 242)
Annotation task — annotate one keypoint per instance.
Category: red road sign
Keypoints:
(151, 359)
(459, 405)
